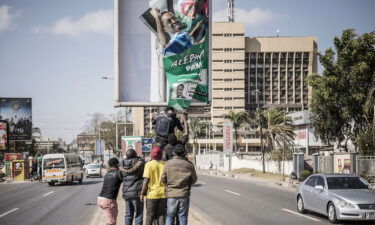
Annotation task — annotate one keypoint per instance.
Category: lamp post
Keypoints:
(261, 131)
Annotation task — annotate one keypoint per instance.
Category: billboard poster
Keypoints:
(18, 113)
(134, 142)
(228, 138)
(4, 134)
(182, 29)
(99, 147)
(147, 144)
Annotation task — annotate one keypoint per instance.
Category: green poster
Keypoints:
(187, 76)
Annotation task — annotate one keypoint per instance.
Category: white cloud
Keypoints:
(6, 18)
(254, 17)
(100, 22)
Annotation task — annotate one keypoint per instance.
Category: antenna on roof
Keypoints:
(230, 12)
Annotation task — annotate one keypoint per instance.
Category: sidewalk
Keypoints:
(194, 218)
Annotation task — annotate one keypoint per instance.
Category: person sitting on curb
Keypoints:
(108, 195)
(178, 176)
(133, 167)
(154, 189)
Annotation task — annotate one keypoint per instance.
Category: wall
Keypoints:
(221, 162)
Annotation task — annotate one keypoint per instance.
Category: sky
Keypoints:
(57, 51)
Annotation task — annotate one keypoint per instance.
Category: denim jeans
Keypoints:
(177, 207)
(133, 209)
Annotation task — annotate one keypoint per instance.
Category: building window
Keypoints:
(217, 35)
(238, 70)
(238, 61)
(217, 70)
(228, 70)
(228, 89)
(228, 49)
(227, 61)
(238, 49)
(228, 107)
(228, 98)
(217, 60)
(238, 35)
(217, 49)
(228, 80)
(227, 35)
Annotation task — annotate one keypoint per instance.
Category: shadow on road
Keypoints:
(196, 185)
(325, 218)
(91, 182)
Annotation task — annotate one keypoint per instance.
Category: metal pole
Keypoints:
(261, 132)
(284, 143)
(116, 140)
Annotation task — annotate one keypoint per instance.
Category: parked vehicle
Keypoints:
(62, 168)
(338, 196)
(93, 170)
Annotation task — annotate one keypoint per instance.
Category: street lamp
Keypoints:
(261, 131)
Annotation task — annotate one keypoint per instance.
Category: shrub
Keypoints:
(305, 174)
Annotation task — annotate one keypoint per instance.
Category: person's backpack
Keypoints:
(163, 125)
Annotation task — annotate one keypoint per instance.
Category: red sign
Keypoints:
(13, 156)
(228, 139)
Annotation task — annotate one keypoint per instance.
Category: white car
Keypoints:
(93, 170)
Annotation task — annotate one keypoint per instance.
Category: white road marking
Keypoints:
(8, 212)
(299, 214)
(232, 192)
(48, 193)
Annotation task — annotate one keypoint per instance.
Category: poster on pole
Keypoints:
(162, 48)
(99, 147)
(228, 138)
(147, 144)
(4, 135)
(134, 142)
(18, 114)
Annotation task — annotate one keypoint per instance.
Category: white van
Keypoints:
(62, 168)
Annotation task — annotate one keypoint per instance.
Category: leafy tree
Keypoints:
(339, 94)
(239, 120)
(278, 132)
(370, 110)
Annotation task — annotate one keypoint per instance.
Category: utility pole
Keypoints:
(261, 131)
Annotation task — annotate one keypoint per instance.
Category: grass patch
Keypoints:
(257, 173)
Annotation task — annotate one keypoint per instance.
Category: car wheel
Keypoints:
(51, 183)
(300, 204)
(332, 213)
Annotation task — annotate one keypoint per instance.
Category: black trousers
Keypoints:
(156, 210)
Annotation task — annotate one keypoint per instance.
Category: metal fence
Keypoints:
(366, 167)
(211, 159)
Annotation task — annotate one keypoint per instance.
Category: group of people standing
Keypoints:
(163, 183)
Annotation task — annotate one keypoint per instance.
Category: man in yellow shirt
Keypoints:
(154, 189)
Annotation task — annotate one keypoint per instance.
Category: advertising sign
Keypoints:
(162, 48)
(4, 134)
(17, 112)
(182, 29)
(99, 147)
(341, 163)
(228, 138)
(147, 144)
(134, 142)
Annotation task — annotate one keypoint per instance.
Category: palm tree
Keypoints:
(370, 109)
(239, 120)
(196, 126)
(277, 130)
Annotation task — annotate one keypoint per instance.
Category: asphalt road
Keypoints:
(34, 203)
(229, 201)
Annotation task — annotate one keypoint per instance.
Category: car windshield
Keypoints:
(347, 183)
(53, 163)
(93, 167)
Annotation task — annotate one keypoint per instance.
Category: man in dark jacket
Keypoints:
(172, 139)
(178, 176)
(108, 194)
(133, 167)
(162, 139)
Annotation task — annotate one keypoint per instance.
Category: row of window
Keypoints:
(228, 107)
(283, 55)
(228, 98)
(228, 89)
(228, 49)
(228, 70)
(230, 61)
(228, 80)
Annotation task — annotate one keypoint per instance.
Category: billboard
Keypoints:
(99, 147)
(134, 142)
(18, 113)
(228, 138)
(147, 144)
(4, 134)
(168, 61)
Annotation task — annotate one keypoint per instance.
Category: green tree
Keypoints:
(239, 120)
(338, 95)
(278, 132)
(370, 110)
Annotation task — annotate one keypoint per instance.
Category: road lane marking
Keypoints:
(8, 212)
(48, 193)
(299, 214)
(232, 192)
